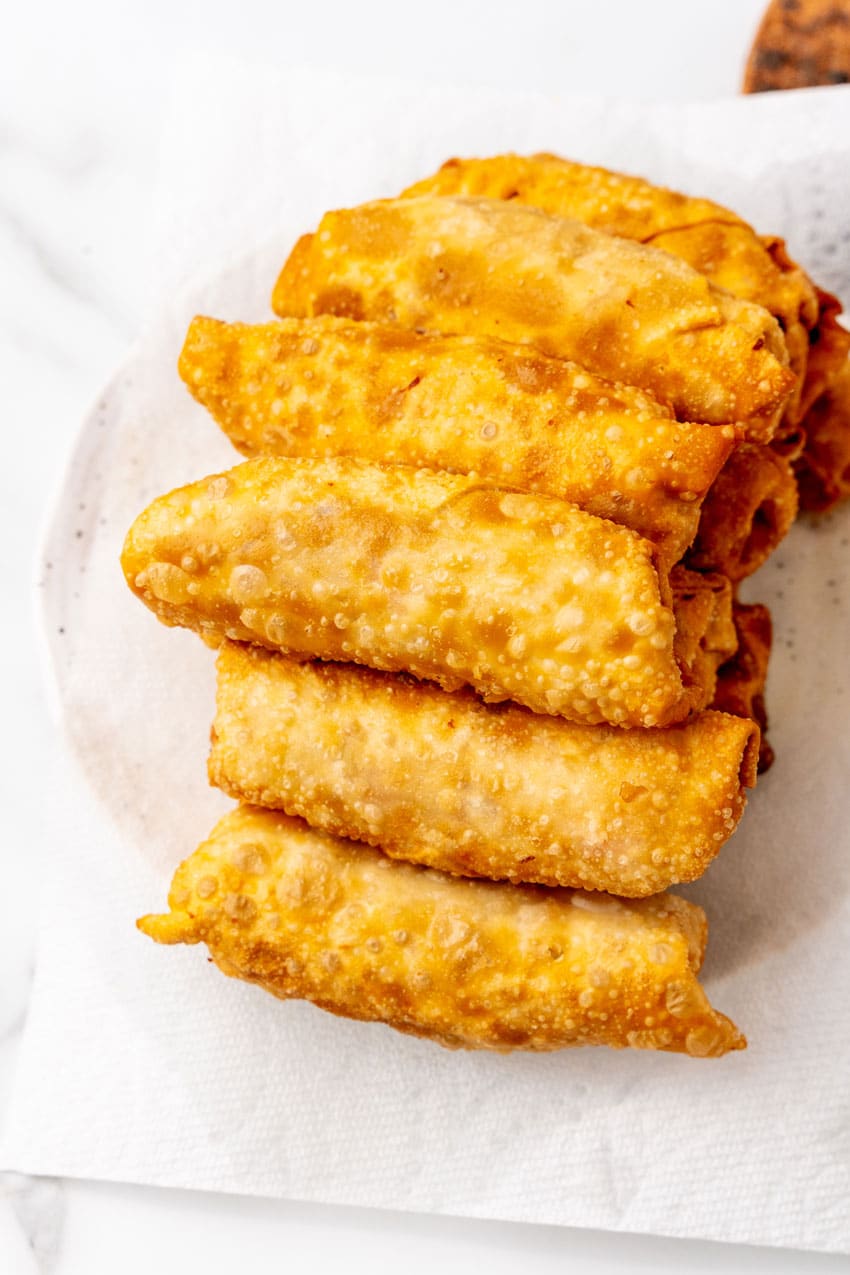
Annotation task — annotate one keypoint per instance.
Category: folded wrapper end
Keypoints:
(829, 349)
(741, 680)
(169, 927)
(705, 633)
(751, 763)
(746, 514)
(298, 264)
(789, 442)
(823, 470)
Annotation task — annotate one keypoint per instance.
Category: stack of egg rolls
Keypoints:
(486, 689)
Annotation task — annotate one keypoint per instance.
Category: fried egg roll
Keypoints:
(471, 405)
(520, 596)
(823, 471)
(469, 964)
(494, 268)
(476, 790)
(741, 680)
(713, 239)
(748, 511)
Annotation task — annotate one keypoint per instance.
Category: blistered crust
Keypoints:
(757, 270)
(487, 267)
(829, 350)
(471, 405)
(447, 781)
(616, 202)
(713, 239)
(522, 597)
(469, 964)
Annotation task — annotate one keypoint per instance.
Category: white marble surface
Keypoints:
(83, 95)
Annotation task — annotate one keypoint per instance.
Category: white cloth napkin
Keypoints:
(145, 1064)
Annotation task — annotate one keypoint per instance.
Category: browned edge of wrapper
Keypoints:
(823, 471)
(741, 680)
(748, 511)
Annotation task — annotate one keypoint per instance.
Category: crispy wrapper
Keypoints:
(714, 240)
(741, 680)
(522, 597)
(629, 207)
(748, 511)
(823, 472)
(734, 257)
(476, 790)
(495, 268)
(469, 964)
(472, 405)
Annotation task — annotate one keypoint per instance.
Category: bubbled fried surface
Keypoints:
(470, 964)
(506, 414)
(623, 205)
(522, 597)
(714, 240)
(499, 792)
(494, 268)
(757, 270)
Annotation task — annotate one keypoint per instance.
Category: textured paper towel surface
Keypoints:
(147, 1065)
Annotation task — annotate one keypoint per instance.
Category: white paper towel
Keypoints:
(144, 1064)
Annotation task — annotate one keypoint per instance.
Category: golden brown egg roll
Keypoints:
(494, 268)
(748, 511)
(741, 680)
(823, 471)
(469, 964)
(471, 405)
(713, 239)
(476, 790)
(521, 596)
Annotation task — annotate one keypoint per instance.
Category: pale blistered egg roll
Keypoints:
(469, 964)
(474, 789)
(521, 596)
(488, 267)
